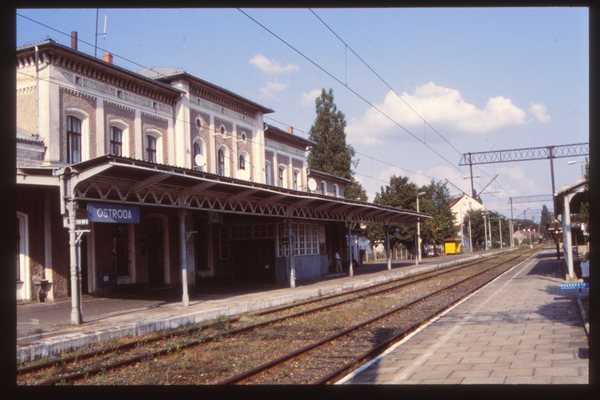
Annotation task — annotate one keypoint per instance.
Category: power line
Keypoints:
(351, 90)
(214, 131)
(382, 80)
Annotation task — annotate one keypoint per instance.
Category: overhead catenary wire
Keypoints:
(214, 131)
(396, 93)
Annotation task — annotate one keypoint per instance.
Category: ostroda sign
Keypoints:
(113, 213)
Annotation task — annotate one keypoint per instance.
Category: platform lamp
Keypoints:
(419, 230)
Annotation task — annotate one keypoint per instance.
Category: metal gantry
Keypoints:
(527, 154)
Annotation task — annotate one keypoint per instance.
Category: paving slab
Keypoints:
(520, 329)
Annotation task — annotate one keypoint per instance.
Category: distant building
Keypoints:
(460, 206)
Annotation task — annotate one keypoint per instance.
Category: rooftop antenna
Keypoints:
(97, 34)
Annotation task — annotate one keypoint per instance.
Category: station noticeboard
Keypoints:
(113, 213)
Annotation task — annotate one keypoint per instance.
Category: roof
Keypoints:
(122, 180)
(170, 74)
(99, 62)
(329, 176)
(577, 190)
(275, 133)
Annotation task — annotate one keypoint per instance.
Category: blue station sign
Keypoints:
(113, 213)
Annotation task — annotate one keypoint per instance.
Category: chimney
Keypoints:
(107, 57)
(290, 130)
(74, 40)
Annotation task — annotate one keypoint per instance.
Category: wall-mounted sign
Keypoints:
(113, 213)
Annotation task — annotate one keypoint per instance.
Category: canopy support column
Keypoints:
(350, 268)
(76, 317)
(182, 239)
(389, 254)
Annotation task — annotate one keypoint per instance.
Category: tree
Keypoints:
(478, 229)
(436, 202)
(332, 154)
(400, 193)
(546, 218)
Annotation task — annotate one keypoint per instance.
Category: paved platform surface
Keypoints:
(44, 329)
(520, 329)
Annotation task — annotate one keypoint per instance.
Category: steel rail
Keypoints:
(374, 352)
(180, 332)
(85, 373)
(253, 372)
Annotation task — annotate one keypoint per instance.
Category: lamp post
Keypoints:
(485, 231)
(419, 231)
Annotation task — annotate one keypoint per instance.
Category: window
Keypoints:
(296, 173)
(323, 187)
(221, 162)
(222, 130)
(268, 173)
(198, 150)
(306, 239)
(281, 177)
(150, 148)
(336, 190)
(116, 141)
(198, 123)
(73, 140)
(242, 162)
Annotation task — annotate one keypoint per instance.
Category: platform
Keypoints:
(520, 329)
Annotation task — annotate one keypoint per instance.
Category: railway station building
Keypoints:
(158, 178)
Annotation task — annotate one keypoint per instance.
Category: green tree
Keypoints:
(478, 229)
(332, 154)
(400, 193)
(436, 202)
(546, 218)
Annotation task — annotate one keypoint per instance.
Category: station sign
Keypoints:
(113, 213)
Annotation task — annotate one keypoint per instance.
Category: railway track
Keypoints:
(147, 352)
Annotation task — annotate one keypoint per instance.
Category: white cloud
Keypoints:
(272, 67)
(441, 107)
(271, 88)
(539, 111)
(308, 99)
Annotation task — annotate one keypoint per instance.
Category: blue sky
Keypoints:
(484, 78)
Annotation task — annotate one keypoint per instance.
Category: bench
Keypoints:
(108, 280)
(575, 285)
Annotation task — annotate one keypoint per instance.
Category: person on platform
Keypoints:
(338, 263)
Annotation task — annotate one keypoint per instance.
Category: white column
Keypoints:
(139, 136)
(48, 246)
(100, 133)
(182, 240)
(389, 255)
(349, 242)
(567, 246)
(76, 318)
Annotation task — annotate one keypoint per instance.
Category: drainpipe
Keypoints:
(37, 92)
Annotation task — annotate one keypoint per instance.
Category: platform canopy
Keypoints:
(121, 180)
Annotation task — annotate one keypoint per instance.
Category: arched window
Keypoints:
(281, 177)
(198, 149)
(242, 164)
(221, 162)
(222, 130)
(296, 174)
(73, 139)
(116, 141)
(323, 187)
(268, 173)
(336, 190)
(151, 148)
